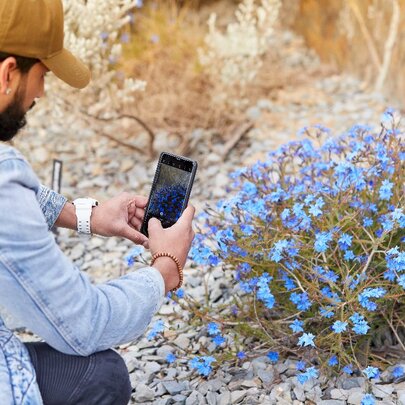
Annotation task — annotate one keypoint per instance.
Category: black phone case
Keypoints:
(144, 227)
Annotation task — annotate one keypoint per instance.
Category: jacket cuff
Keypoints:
(157, 282)
(51, 204)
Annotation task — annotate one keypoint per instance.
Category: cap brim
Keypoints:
(69, 69)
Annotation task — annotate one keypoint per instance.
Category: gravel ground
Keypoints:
(98, 167)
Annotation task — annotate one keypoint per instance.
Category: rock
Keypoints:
(167, 400)
(237, 396)
(267, 376)
(182, 341)
(339, 394)
(152, 367)
(77, 252)
(126, 165)
(174, 387)
(299, 393)
(354, 382)
(264, 104)
(253, 113)
(164, 350)
(382, 391)
(401, 397)
(211, 398)
(250, 383)
(331, 402)
(214, 385)
(355, 397)
(224, 398)
(143, 393)
(315, 394)
(179, 399)
(195, 398)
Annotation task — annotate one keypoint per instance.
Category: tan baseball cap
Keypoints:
(34, 29)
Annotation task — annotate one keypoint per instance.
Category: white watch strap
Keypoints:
(84, 208)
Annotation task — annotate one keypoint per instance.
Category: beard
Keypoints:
(13, 118)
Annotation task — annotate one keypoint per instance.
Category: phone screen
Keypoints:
(170, 191)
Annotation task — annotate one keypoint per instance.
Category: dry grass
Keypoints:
(178, 95)
(355, 35)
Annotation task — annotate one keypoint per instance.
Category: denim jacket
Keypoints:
(42, 289)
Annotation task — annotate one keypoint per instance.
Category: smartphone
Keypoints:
(170, 191)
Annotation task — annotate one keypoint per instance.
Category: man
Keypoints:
(79, 322)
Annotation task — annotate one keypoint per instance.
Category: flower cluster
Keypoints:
(313, 238)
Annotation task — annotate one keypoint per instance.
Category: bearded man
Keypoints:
(78, 322)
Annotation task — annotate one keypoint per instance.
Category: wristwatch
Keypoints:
(84, 208)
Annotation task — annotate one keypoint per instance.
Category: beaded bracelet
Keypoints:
(176, 260)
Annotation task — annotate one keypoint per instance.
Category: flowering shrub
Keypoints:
(313, 239)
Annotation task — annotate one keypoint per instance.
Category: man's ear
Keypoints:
(8, 70)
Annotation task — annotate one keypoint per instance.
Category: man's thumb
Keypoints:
(154, 225)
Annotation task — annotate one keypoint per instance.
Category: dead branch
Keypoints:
(229, 145)
(149, 131)
(366, 33)
(389, 45)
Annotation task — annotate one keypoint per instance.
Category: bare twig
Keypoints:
(366, 33)
(389, 45)
(149, 131)
(246, 128)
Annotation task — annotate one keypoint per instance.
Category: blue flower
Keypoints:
(367, 222)
(180, 293)
(218, 340)
(327, 312)
(368, 399)
(273, 356)
(322, 240)
(263, 290)
(307, 339)
(398, 372)
(345, 241)
(213, 329)
(157, 328)
(385, 190)
(135, 252)
(297, 326)
(339, 326)
(311, 372)
(364, 297)
(371, 372)
(348, 369)
(171, 358)
(202, 364)
(349, 255)
(300, 366)
(360, 324)
(333, 361)
(301, 301)
(241, 355)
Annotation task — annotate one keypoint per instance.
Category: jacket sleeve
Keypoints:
(42, 288)
(51, 204)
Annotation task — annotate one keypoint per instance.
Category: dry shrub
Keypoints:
(163, 52)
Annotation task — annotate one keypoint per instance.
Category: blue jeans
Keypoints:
(101, 378)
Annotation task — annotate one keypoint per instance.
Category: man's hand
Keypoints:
(120, 216)
(175, 240)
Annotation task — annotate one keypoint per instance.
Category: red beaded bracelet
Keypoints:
(176, 260)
